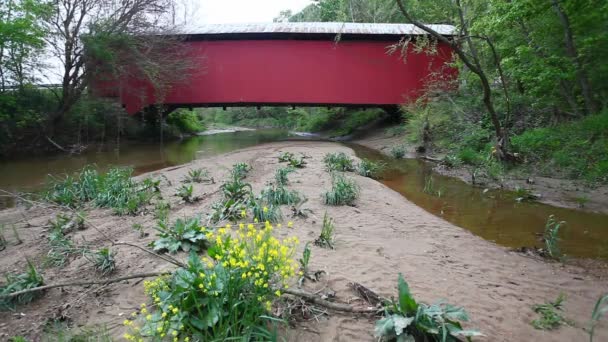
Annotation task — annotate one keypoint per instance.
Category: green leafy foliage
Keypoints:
(196, 176)
(237, 194)
(292, 160)
(114, 189)
(344, 191)
(599, 310)
(550, 314)
(104, 261)
(407, 319)
(551, 237)
(281, 175)
(185, 234)
(186, 193)
(370, 168)
(18, 282)
(240, 170)
(305, 259)
(326, 238)
(397, 152)
(264, 212)
(186, 121)
(339, 161)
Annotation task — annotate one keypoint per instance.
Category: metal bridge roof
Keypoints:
(316, 28)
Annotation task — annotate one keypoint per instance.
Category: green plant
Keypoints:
(551, 237)
(326, 238)
(263, 212)
(407, 320)
(184, 234)
(599, 310)
(240, 170)
(3, 243)
(297, 163)
(550, 317)
(225, 296)
(185, 121)
(279, 195)
(581, 200)
(104, 261)
(61, 246)
(338, 162)
(15, 283)
(196, 176)
(161, 210)
(60, 331)
(523, 194)
(285, 157)
(305, 259)
(398, 151)
(18, 339)
(369, 168)
(236, 195)
(451, 161)
(139, 228)
(67, 224)
(280, 176)
(344, 191)
(186, 193)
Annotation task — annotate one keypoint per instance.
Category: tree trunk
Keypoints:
(581, 75)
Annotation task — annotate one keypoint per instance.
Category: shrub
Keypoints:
(369, 168)
(326, 238)
(185, 235)
(398, 151)
(186, 121)
(338, 162)
(19, 282)
(196, 176)
(550, 317)
(408, 320)
(344, 191)
(224, 297)
(114, 189)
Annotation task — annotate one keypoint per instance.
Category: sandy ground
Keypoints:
(381, 236)
(552, 191)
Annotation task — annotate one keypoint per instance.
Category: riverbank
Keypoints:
(563, 193)
(382, 235)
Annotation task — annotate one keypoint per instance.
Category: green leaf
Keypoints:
(407, 303)
(384, 327)
(401, 323)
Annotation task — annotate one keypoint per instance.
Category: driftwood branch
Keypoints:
(84, 283)
(330, 305)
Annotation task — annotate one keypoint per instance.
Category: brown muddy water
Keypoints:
(494, 215)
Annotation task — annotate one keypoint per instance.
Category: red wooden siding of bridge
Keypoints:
(294, 72)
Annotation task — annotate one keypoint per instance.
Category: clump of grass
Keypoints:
(61, 246)
(67, 224)
(370, 168)
(185, 235)
(338, 162)
(599, 310)
(240, 170)
(523, 194)
(114, 189)
(550, 316)
(581, 201)
(264, 212)
(429, 187)
(305, 259)
(326, 238)
(14, 283)
(161, 210)
(398, 151)
(186, 193)
(281, 175)
(551, 237)
(236, 195)
(344, 191)
(196, 176)
(408, 320)
(104, 261)
(279, 195)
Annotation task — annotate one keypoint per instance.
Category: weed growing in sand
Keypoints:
(114, 189)
(326, 239)
(600, 309)
(285, 157)
(103, 260)
(370, 168)
(66, 224)
(551, 237)
(61, 246)
(344, 191)
(407, 320)
(236, 195)
(186, 193)
(264, 212)
(240, 170)
(161, 210)
(281, 175)
(14, 283)
(3, 242)
(550, 316)
(184, 234)
(397, 152)
(305, 259)
(196, 176)
(279, 195)
(58, 331)
(291, 159)
(226, 296)
(338, 162)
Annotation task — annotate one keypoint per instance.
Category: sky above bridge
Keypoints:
(239, 11)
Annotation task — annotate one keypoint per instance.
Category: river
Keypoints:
(494, 215)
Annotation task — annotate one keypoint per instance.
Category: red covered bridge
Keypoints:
(299, 64)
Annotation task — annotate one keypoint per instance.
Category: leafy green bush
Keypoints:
(408, 320)
(114, 189)
(397, 152)
(186, 121)
(236, 195)
(225, 297)
(19, 282)
(344, 191)
(370, 168)
(550, 317)
(338, 162)
(240, 170)
(184, 234)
